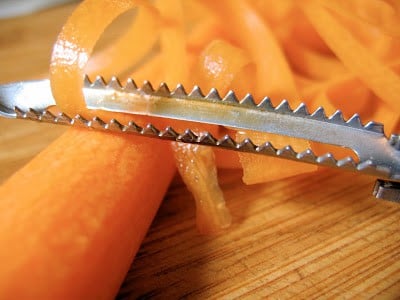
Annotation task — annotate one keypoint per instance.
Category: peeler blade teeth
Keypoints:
(376, 154)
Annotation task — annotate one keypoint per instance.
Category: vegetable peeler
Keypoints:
(378, 155)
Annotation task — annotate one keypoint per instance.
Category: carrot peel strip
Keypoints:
(382, 80)
(74, 46)
(197, 168)
(121, 55)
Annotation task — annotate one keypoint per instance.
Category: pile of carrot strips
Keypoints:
(320, 53)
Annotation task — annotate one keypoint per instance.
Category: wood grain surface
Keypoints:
(308, 237)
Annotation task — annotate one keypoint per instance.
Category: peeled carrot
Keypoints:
(74, 217)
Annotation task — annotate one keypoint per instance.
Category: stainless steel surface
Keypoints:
(25, 95)
(377, 155)
(388, 190)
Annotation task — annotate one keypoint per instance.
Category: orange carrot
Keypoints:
(74, 46)
(218, 65)
(311, 63)
(381, 14)
(197, 168)
(302, 32)
(243, 25)
(273, 78)
(119, 56)
(349, 95)
(71, 229)
(173, 43)
(355, 56)
(227, 159)
(88, 200)
(74, 217)
(258, 169)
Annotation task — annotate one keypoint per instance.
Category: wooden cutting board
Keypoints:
(314, 236)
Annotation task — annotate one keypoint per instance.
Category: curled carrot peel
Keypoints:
(120, 56)
(74, 46)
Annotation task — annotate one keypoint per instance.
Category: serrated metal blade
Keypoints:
(377, 155)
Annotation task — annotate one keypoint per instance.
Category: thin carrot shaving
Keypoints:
(355, 56)
(221, 65)
(384, 15)
(196, 13)
(308, 87)
(173, 42)
(312, 64)
(384, 112)
(75, 44)
(197, 168)
(275, 15)
(218, 65)
(350, 95)
(273, 75)
(197, 175)
(258, 169)
(118, 56)
(152, 70)
(201, 35)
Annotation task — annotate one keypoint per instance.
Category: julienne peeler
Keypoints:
(378, 155)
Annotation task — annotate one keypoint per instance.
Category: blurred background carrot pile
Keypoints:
(335, 54)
